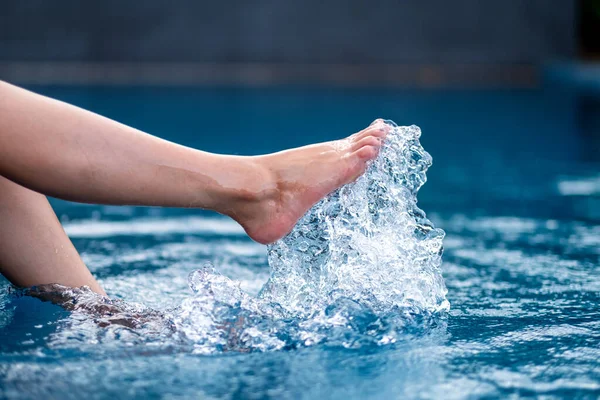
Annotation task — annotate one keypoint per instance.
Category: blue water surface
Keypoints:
(515, 184)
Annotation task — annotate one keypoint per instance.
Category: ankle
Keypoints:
(255, 184)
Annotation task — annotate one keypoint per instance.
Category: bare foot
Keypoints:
(301, 177)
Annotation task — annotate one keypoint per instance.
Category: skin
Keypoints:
(50, 148)
(34, 248)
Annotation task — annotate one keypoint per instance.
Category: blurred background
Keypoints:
(431, 43)
(506, 92)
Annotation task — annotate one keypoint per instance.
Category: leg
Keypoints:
(34, 249)
(63, 151)
(66, 152)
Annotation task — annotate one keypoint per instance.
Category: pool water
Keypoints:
(515, 184)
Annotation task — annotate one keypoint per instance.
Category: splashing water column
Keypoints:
(359, 267)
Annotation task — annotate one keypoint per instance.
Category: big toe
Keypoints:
(367, 153)
(358, 161)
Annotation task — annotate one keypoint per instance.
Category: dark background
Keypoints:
(310, 31)
(406, 43)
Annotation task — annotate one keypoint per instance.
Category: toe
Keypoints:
(379, 130)
(358, 161)
(367, 153)
(373, 141)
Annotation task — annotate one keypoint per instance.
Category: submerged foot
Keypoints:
(301, 177)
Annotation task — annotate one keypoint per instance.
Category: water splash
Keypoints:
(361, 267)
(368, 241)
